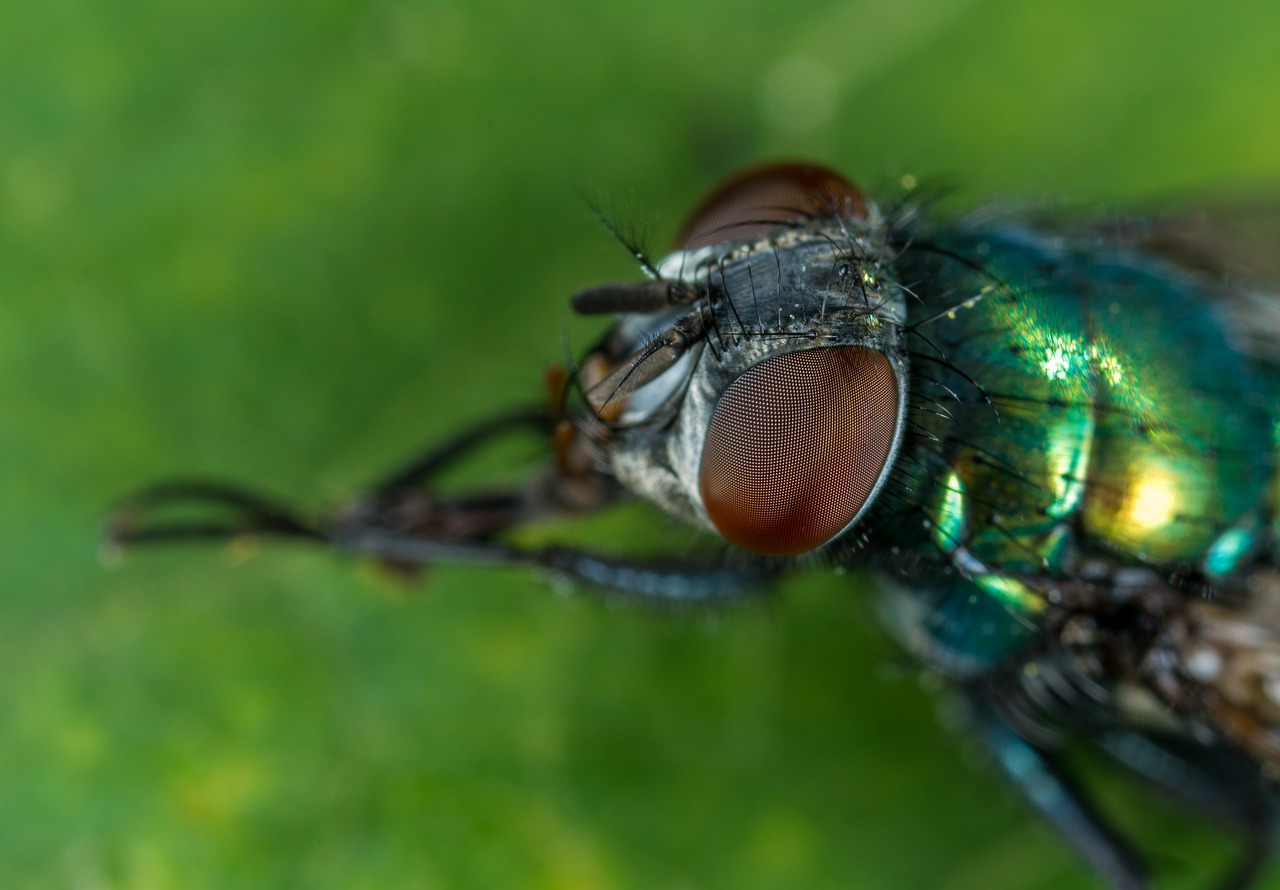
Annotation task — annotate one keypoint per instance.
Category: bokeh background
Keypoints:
(289, 242)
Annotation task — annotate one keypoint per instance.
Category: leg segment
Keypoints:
(1217, 781)
(403, 524)
(1048, 786)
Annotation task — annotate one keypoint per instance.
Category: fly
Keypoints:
(1054, 446)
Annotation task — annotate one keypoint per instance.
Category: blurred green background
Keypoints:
(290, 242)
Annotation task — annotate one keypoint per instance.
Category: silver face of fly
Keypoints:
(1054, 446)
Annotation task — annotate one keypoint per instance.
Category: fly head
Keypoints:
(757, 387)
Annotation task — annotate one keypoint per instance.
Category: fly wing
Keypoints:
(1231, 241)
(1233, 244)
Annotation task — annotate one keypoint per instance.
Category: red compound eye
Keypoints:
(760, 199)
(796, 446)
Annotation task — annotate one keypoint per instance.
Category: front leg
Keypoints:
(404, 524)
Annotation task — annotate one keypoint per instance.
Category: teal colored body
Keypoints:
(1070, 403)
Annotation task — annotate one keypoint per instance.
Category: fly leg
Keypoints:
(236, 512)
(403, 524)
(207, 510)
(437, 458)
(1049, 787)
(1217, 781)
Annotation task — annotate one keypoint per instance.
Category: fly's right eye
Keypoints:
(796, 447)
(757, 201)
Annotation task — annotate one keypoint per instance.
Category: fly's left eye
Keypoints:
(796, 446)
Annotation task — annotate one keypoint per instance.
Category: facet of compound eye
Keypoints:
(757, 201)
(796, 447)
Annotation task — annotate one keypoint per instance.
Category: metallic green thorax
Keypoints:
(1071, 403)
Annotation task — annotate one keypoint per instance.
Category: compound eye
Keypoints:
(759, 200)
(796, 446)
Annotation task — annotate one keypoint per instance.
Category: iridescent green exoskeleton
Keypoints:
(1055, 445)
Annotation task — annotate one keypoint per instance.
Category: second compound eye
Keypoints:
(796, 447)
(759, 200)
